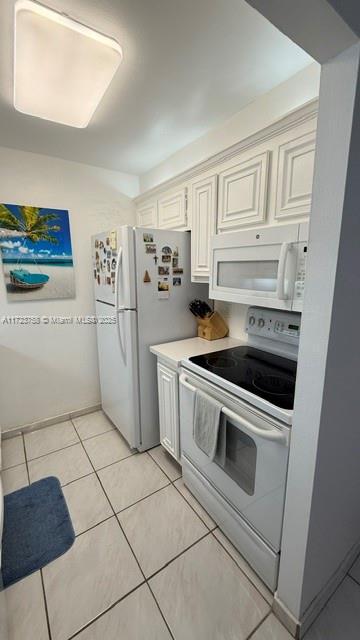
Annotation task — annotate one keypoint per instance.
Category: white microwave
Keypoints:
(264, 267)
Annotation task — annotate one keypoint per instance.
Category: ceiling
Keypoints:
(188, 66)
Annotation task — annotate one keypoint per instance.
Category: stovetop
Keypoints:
(264, 374)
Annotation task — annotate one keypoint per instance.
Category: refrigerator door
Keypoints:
(125, 273)
(163, 316)
(114, 267)
(118, 367)
(104, 264)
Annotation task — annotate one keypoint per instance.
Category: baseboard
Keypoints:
(298, 628)
(40, 424)
(286, 617)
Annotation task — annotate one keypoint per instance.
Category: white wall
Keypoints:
(50, 370)
(322, 515)
(235, 316)
(272, 106)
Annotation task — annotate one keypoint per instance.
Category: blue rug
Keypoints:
(37, 529)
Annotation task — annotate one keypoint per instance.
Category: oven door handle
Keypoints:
(280, 289)
(275, 435)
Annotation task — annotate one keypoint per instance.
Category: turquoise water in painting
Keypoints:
(67, 262)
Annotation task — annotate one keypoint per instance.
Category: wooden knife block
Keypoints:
(212, 328)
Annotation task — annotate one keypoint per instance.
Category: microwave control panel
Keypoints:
(283, 326)
(300, 271)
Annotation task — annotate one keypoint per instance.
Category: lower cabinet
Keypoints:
(169, 409)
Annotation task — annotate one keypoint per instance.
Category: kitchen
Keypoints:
(252, 176)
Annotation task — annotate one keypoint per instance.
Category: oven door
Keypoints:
(250, 465)
(255, 267)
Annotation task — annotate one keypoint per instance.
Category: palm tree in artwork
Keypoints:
(33, 227)
(30, 223)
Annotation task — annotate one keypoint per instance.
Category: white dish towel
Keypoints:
(206, 423)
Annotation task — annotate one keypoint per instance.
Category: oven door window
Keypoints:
(237, 454)
(252, 275)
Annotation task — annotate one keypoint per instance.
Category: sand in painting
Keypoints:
(60, 284)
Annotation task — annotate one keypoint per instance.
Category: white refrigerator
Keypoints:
(142, 283)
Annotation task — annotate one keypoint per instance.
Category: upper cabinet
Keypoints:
(202, 210)
(146, 215)
(266, 179)
(295, 172)
(172, 212)
(243, 192)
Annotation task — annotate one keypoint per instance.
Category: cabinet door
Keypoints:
(243, 193)
(202, 209)
(146, 215)
(172, 209)
(295, 176)
(169, 410)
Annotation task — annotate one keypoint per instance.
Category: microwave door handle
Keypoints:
(280, 289)
(275, 435)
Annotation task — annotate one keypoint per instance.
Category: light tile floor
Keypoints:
(148, 562)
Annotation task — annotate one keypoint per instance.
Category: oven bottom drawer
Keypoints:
(260, 557)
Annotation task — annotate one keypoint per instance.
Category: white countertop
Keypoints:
(174, 352)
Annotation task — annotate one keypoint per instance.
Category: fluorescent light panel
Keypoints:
(61, 68)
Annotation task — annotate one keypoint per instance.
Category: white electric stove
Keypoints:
(243, 488)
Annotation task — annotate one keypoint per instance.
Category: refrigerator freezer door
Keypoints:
(118, 367)
(104, 264)
(114, 267)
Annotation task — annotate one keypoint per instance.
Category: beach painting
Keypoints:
(35, 245)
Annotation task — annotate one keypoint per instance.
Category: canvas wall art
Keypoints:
(36, 253)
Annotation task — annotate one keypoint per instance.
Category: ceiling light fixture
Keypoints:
(61, 67)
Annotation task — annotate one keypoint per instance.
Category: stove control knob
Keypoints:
(261, 323)
(252, 320)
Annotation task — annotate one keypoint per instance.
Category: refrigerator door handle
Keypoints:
(122, 348)
(117, 276)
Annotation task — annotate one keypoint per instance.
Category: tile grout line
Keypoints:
(240, 569)
(49, 453)
(96, 434)
(41, 572)
(190, 505)
(45, 603)
(178, 490)
(115, 514)
(103, 613)
(132, 551)
(172, 482)
(178, 556)
(76, 479)
(348, 575)
(122, 530)
(73, 444)
(112, 509)
(128, 541)
(160, 611)
(142, 499)
(112, 463)
(251, 635)
(146, 580)
(162, 469)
